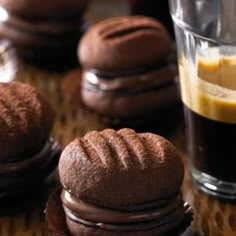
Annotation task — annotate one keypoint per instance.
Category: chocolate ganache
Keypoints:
(153, 80)
(130, 95)
(160, 74)
(140, 217)
(158, 64)
(18, 176)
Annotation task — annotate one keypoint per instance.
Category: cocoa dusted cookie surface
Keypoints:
(126, 68)
(120, 183)
(28, 154)
(124, 43)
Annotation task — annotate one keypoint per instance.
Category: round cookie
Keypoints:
(42, 43)
(127, 72)
(45, 33)
(44, 9)
(26, 121)
(122, 44)
(125, 156)
(120, 183)
(28, 154)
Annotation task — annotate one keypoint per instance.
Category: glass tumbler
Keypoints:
(206, 43)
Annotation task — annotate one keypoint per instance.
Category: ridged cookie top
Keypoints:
(26, 121)
(124, 43)
(121, 167)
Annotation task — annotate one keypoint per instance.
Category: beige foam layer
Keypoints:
(220, 71)
(212, 92)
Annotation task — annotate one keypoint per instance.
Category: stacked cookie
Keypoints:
(28, 153)
(127, 74)
(119, 183)
(43, 31)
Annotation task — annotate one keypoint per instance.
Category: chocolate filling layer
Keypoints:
(159, 63)
(157, 214)
(26, 164)
(159, 78)
(17, 176)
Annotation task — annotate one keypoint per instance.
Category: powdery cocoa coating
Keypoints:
(45, 9)
(123, 43)
(26, 121)
(121, 168)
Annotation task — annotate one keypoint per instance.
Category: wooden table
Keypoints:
(212, 217)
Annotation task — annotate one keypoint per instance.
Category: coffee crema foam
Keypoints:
(210, 91)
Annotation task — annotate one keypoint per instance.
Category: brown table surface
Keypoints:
(212, 217)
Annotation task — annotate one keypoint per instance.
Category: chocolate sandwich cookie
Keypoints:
(119, 183)
(28, 153)
(127, 72)
(45, 37)
(45, 10)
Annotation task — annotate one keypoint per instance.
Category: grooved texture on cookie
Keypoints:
(45, 9)
(124, 43)
(26, 121)
(121, 167)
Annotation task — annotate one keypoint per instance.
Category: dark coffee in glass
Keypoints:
(211, 145)
(205, 36)
(210, 116)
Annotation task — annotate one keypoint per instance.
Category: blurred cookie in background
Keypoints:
(44, 32)
(127, 76)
